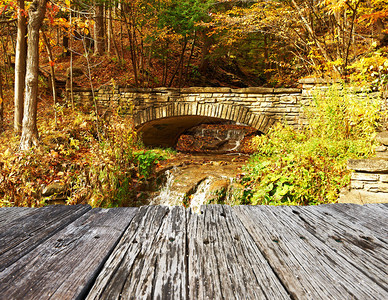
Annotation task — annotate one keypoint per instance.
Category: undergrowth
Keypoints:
(106, 168)
(308, 166)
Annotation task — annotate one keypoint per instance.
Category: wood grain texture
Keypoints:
(156, 252)
(371, 216)
(223, 260)
(9, 214)
(23, 234)
(149, 261)
(306, 264)
(66, 265)
(356, 244)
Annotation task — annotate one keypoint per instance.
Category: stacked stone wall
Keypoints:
(146, 104)
(369, 182)
(278, 104)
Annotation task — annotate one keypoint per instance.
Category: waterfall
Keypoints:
(201, 195)
(167, 196)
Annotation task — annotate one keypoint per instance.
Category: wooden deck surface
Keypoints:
(337, 251)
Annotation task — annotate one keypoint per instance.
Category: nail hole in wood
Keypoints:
(302, 237)
(97, 237)
(171, 239)
(276, 241)
(366, 238)
(206, 242)
(134, 242)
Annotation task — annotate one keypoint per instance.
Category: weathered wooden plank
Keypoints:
(66, 265)
(223, 260)
(356, 244)
(371, 216)
(308, 267)
(149, 261)
(9, 214)
(22, 235)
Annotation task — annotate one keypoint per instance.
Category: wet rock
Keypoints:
(216, 145)
(234, 194)
(217, 191)
(53, 189)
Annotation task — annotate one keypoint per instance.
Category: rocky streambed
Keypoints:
(194, 180)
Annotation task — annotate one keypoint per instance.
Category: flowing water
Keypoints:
(199, 179)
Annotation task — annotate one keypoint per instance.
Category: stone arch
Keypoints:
(222, 111)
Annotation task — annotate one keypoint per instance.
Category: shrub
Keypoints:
(308, 166)
(106, 168)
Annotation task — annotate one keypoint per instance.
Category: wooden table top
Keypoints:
(337, 251)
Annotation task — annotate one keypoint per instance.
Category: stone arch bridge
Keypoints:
(163, 114)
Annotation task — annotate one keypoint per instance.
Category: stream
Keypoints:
(194, 180)
(204, 170)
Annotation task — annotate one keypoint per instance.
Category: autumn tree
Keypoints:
(99, 28)
(20, 66)
(1, 103)
(36, 15)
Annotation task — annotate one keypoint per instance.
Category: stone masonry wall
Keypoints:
(279, 104)
(369, 182)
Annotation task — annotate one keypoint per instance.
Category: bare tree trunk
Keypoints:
(1, 104)
(29, 136)
(109, 29)
(20, 67)
(311, 32)
(99, 36)
(187, 73)
(52, 72)
(179, 65)
(71, 65)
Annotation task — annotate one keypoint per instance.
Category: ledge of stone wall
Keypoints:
(192, 90)
(369, 182)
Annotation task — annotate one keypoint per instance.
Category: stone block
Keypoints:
(253, 90)
(373, 188)
(362, 197)
(287, 91)
(369, 165)
(384, 177)
(288, 99)
(357, 185)
(383, 188)
(306, 92)
(312, 80)
(205, 90)
(381, 148)
(383, 155)
(365, 177)
(382, 137)
(207, 95)
(266, 104)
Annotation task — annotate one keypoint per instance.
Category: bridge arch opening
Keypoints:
(166, 132)
(162, 125)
